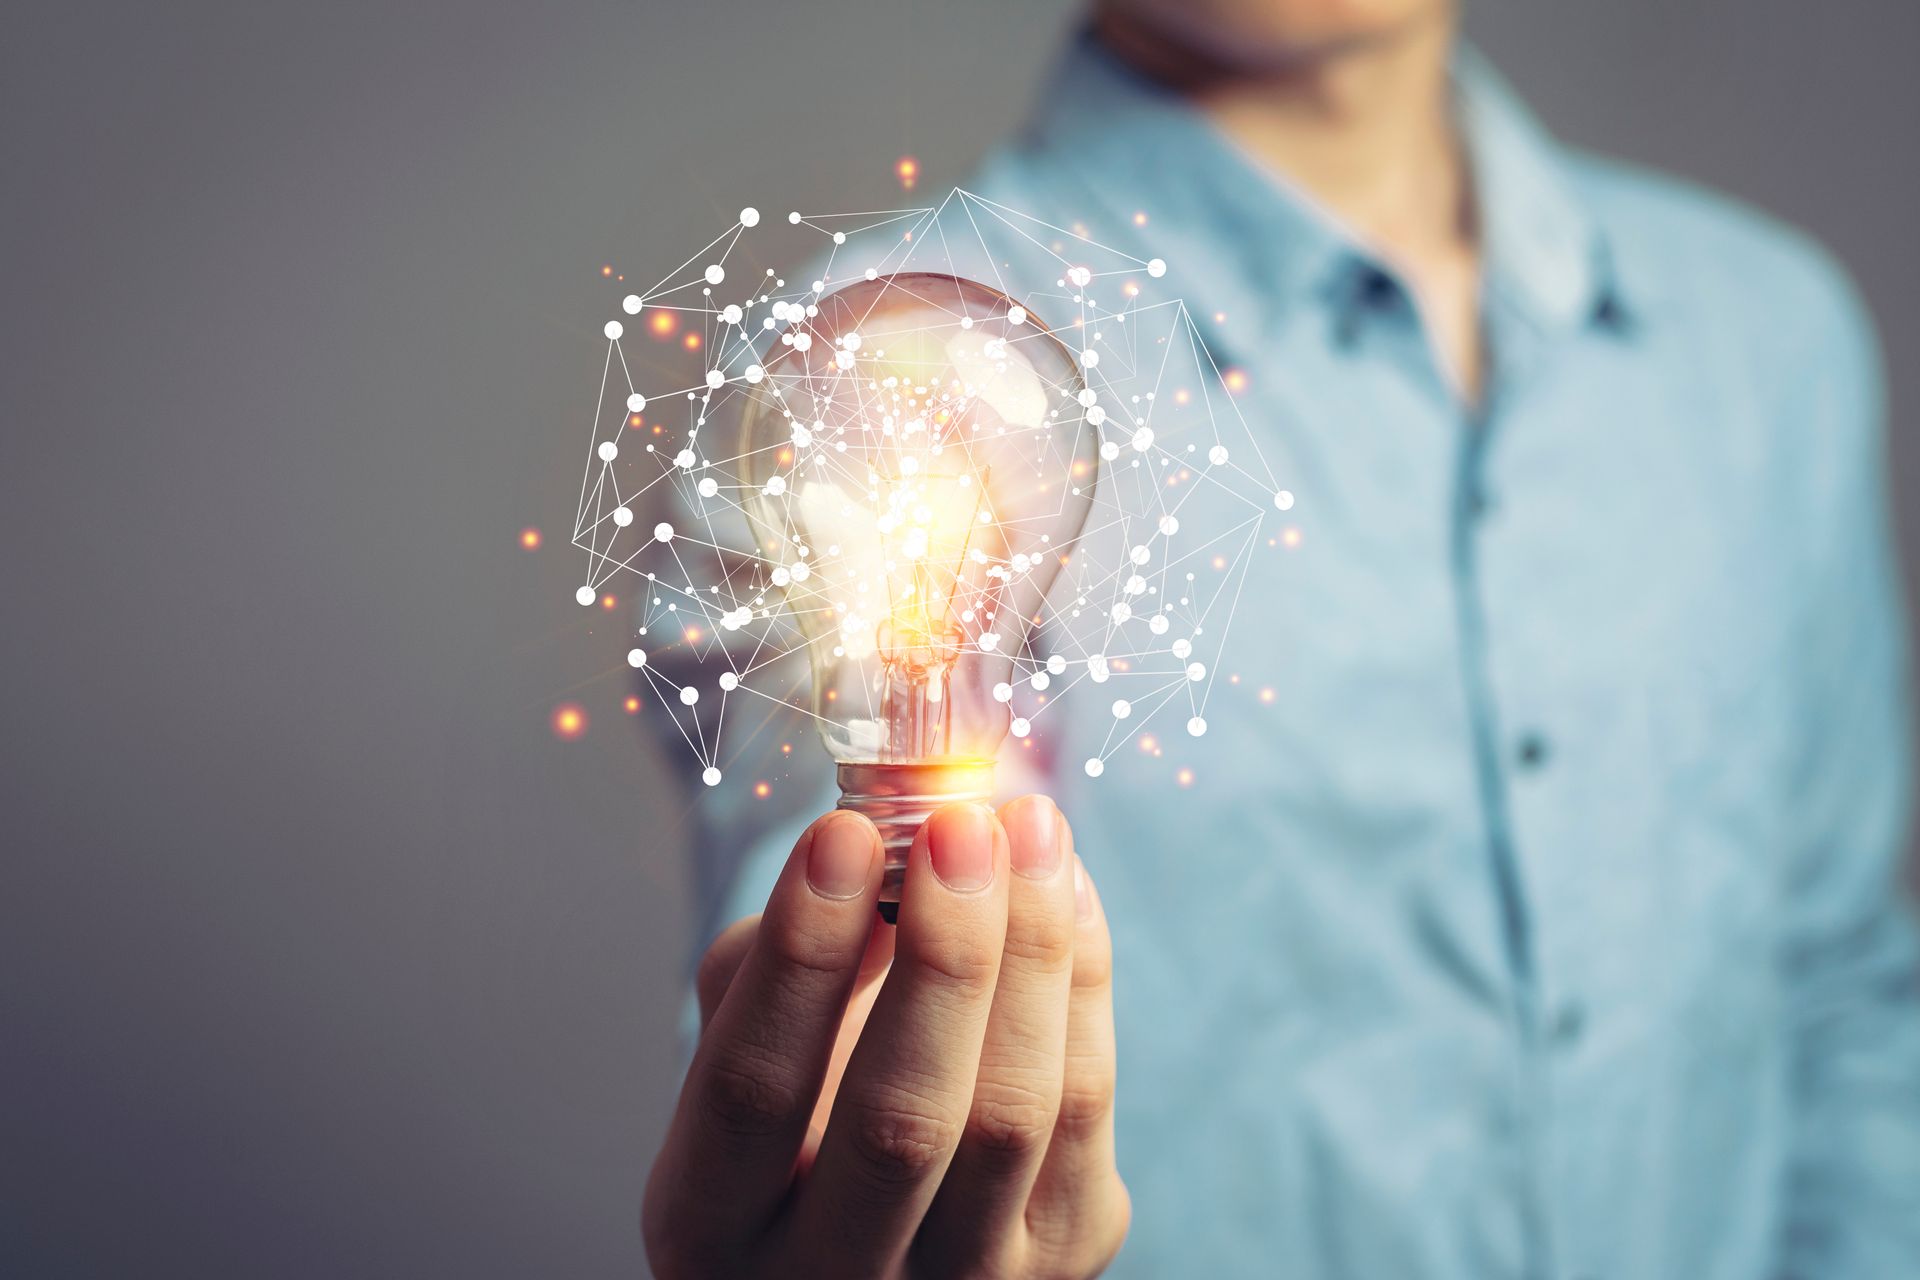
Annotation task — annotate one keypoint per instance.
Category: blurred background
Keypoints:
(322, 953)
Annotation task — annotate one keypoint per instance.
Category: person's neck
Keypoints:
(1365, 128)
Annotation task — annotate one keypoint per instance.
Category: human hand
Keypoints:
(929, 1101)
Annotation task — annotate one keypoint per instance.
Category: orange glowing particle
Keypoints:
(1236, 380)
(656, 428)
(1219, 562)
(691, 342)
(530, 539)
(1147, 742)
(786, 748)
(833, 695)
(632, 705)
(693, 635)
(1180, 396)
(786, 456)
(569, 721)
(607, 270)
(762, 790)
(1184, 777)
(633, 421)
(607, 601)
(1266, 695)
(909, 170)
(1290, 538)
(662, 323)
(1131, 289)
(1140, 219)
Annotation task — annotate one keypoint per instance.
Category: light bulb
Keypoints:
(919, 455)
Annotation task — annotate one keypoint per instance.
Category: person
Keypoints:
(1546, 920)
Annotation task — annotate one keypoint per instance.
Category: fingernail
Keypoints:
(839, 858)
(960, 846)
(1033, 835)
(1082, 892)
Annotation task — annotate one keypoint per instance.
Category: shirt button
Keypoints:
(1531, 751)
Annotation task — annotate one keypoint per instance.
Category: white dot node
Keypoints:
(1095, 767)
(689, 696)
(1143, 439)
(1097, 668)
(754, 373)
(1284, 499)
(794, 217)
(1040, 680)
(631, 304)
(623, 516)
(1196, 671)
(636, 402)
(1080, 276)
(749, 217)
(608, 451)
(1003, 692)
(1157, 268)
(663, 532)
(1016, 315)
(1197, 726)
(716, 273)
(614, 329)
(839, 237)
(684, 459)
(1090, 358)
(1122, 708)
(1217, 455)
(636, 657)
(715, 378)
(729, 681)
(711, 777)
(584, 595)
(1109, 450)
(1096, 415)
(1121, 612)
(1169, 525)
(1087, 396)
(1181, 649)
(1158, 624)
(776, 485)
(1020, 727)
(732, 313)
(709, 486)
(1057, 664)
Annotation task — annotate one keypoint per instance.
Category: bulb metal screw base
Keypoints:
(899, 798)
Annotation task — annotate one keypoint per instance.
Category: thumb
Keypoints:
(721, 963)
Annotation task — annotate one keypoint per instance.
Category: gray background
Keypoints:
(319, 955)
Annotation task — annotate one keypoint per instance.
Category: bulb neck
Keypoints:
(899, 798)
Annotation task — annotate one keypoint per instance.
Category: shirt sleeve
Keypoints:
(1848, 952)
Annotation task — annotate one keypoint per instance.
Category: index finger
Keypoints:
(743, 1112)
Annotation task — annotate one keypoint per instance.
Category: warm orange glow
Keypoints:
(1140, 219)
(632, 705)
(1236, 380)
(762, 790)
(607, 601)
(1184, 777)
(663, 324)
(909, 171)
(786, 457)
(1266, 695)
(691, 342)
(530, 539)
(569, 721)
(1290, 538)
(633, 421)
(786, 748)
(833, 695)
(607, 270)
(1180, 396)
(1219, 562)
(693, 635)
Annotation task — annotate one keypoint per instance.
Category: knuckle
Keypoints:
(1016, 1124)
(1092, 967)
(1086, 1107)
(900, 1143)
(961, 964)
(746, 1099)
(1083, 1240)
(797, 949)
(1042, 942)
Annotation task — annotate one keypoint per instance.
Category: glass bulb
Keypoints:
(919, 455)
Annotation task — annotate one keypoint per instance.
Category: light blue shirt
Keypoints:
(1545, 922)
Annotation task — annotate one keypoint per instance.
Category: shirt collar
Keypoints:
(1257, 240)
